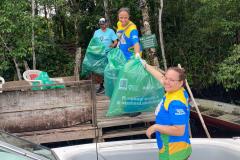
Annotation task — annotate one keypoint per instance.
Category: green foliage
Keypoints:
(15, 28)
(15, 33)
(198, 35)
(55, 61)
(229, 70)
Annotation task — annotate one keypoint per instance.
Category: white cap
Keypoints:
(102, 21)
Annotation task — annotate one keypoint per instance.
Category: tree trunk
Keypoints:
(76, 31)
(238, 36)
(161, 35)
(26, 65)
(36, 7)
(33, 35)
(151, 53)
(75, 12)
(17, 69)
(77, 64)
(106, 9)
(14, 59)
(45, 11)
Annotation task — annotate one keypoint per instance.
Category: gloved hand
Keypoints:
(144, 63)
(137, 55)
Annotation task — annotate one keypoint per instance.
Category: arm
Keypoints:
(136, 48)
(177, 130)
(114, 44)
(135, 41)
(158, 75)
(114, 39)
(178, 116)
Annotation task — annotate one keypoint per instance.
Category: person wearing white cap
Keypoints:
(106, 35)
(108, 38)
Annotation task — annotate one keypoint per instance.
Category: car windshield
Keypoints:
(26, 145)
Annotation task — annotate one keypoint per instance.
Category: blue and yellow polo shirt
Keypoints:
(174, 110)
(128, 37)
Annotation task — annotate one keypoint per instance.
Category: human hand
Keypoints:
(112, 46)
(150, 131)
(137, 55)
(144, 63)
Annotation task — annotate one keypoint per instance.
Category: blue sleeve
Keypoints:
(134, 37)
(113, 35)
(178, 113)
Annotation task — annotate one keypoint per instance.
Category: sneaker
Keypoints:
(100, 90)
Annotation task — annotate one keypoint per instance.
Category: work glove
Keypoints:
(143, 62)
(137, 55)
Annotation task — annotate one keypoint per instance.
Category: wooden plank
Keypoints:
(18, 101)
(229, 117)
(122, 133)
(65, 107)
(142, 115)
(122, 118)
(46, 109)
(57, 135)
(102, 98)
(69, 129)
(126, 120)
(103, 121)
(44, 119)
(24, 85)
(215, 105)
(102, 106)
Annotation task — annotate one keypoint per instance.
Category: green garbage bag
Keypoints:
(95, 59)
(136, 90)
(45, 80)
(116, 61)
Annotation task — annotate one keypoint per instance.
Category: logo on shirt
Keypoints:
(135, 37)
(179, 112)
(101, 38)
(123, 40)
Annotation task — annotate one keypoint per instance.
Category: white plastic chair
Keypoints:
(30, 75)
(2, 82)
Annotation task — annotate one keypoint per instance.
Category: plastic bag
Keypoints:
(95, 59)
(116, 61)
(136, 90)
(45, 80)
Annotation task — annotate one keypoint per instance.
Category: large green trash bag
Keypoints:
(136, 90)
(116, 61)
(45, 80)
(95, 59)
